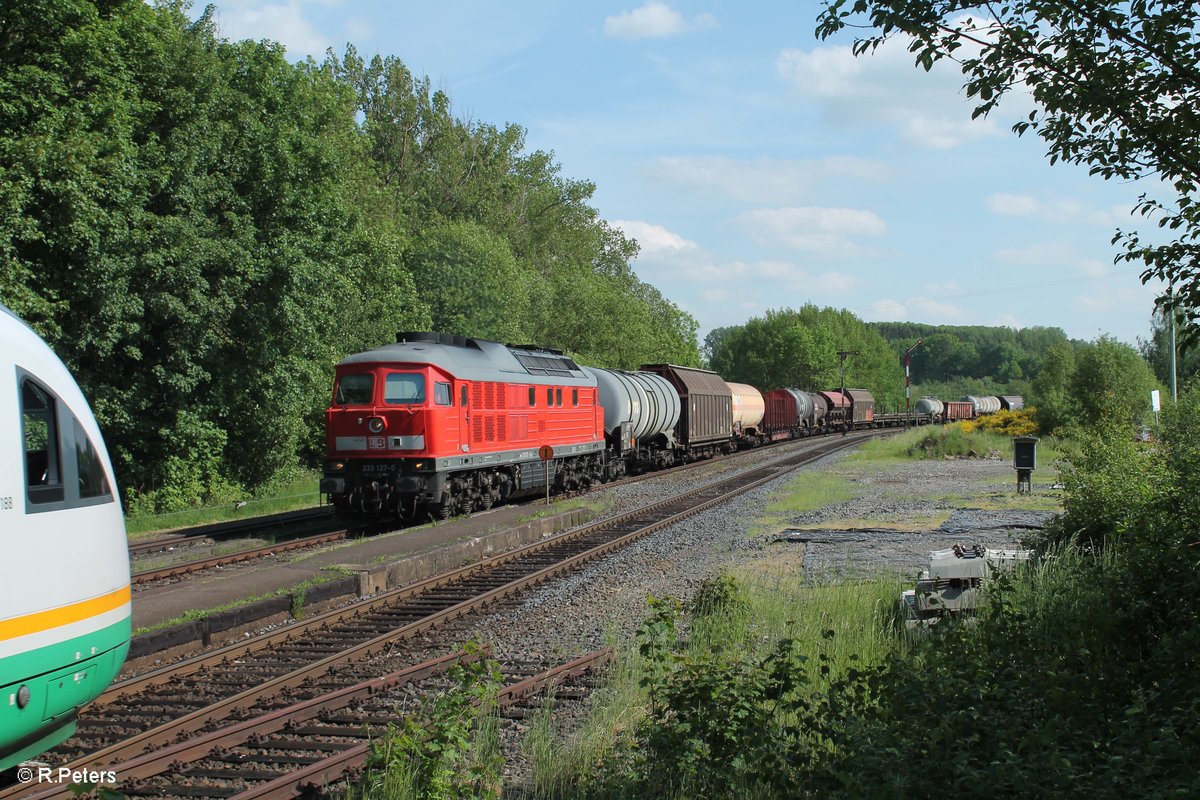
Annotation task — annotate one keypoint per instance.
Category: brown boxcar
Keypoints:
(706, 404)
(862, 406)
(958, 410)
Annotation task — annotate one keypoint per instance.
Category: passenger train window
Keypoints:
(355, 390)
(43, 469)
(442, 395)
(92, 482)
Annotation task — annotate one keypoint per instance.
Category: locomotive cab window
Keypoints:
(442, 395)
(39, 427)
(355, 390)
(464, 395)
(558, 397)
(532, 397)
(549, 396)
(574, 397)
(404, 389)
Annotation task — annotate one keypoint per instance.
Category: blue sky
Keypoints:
(761, 168)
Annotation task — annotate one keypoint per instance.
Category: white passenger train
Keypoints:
(64, 596)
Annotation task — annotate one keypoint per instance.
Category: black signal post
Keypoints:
(842, 356)
(907, 360)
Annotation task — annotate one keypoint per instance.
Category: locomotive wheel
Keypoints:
(443, 509)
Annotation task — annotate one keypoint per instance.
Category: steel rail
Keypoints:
(212, 562)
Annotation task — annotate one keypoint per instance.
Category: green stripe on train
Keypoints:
(59, 677)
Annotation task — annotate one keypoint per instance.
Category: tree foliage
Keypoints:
(948, 353)
(202, 229)
(1117, 86)
(799, 348)
(1099, 382)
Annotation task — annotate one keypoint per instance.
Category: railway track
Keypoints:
(318, 739)
(229, 530)
(241, 681)
(288, 542)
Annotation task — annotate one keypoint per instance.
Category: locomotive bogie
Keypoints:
(65, 604)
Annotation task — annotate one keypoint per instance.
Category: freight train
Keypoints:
(65, 600)
(442, 425)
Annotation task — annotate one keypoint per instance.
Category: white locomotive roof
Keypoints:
(479, 360)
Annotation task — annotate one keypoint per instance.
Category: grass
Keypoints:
(295, 494)
(940, 441)
(777, 605)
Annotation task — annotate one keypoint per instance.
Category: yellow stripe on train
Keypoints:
(63, 615)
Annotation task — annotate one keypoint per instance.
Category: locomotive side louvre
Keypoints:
(706, 405)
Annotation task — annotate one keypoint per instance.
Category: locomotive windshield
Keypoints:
(355, 389)
(404, 389)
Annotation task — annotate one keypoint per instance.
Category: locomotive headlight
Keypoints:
(22, 697)
(376, 424)
(335, 466)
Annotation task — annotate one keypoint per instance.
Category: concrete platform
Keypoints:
(301, 583)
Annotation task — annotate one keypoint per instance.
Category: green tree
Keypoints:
(1111, 381)
(472, 282)
(1157, 350)
(1117, 87)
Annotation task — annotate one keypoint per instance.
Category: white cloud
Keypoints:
(814, 229)
(655, 20)
(915, 309)
(280, 22)
(653, 238)
(1007, 321)
(1055, 209)
(1012, 205)
(766, 180)
(928, 109)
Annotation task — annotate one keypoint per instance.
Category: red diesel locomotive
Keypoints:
(448, 425)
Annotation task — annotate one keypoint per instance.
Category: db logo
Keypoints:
(377, 443)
